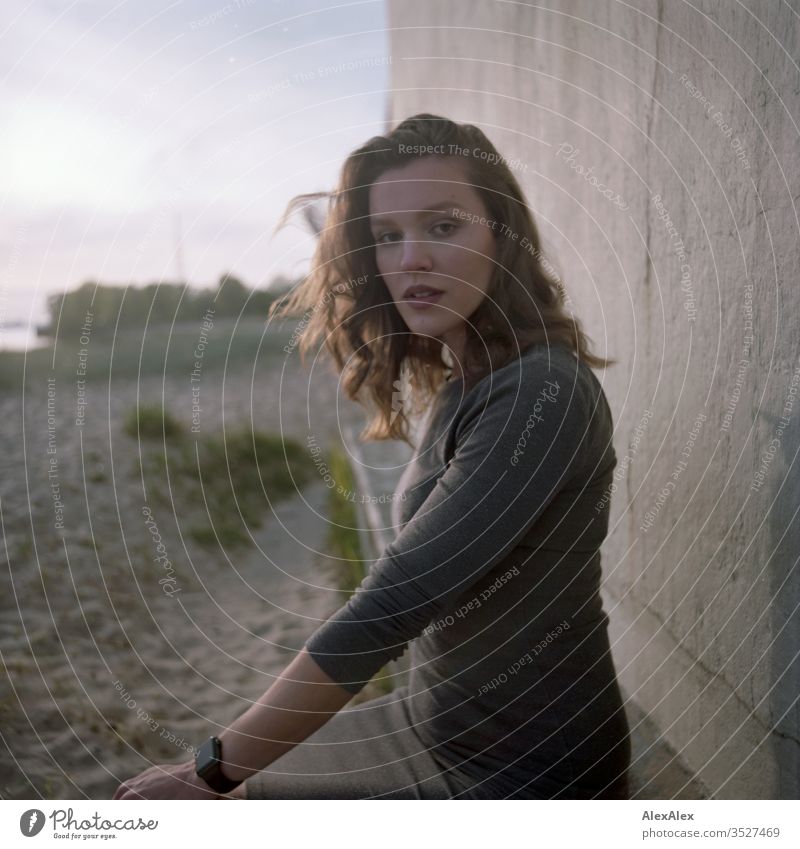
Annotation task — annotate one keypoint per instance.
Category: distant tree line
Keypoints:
(157, 303)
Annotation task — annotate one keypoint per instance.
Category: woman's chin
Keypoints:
(428, 323)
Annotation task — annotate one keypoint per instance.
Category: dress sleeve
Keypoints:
(518, 441)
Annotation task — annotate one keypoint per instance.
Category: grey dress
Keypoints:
(492, 583)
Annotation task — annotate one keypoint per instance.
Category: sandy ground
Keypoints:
(106, 672)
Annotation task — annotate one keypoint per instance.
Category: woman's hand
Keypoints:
(167, 781)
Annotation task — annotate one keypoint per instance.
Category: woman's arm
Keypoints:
(301, 700)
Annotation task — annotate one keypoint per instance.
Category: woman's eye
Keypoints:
(385, 238)
(444, 228)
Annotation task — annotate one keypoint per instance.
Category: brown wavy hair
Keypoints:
(349, 308)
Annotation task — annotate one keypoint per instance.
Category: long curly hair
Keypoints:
(347, 306)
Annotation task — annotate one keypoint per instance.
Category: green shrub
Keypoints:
(343, 538)
(147, 421)
(344, 542)
(230, 480)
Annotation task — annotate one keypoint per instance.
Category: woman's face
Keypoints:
(431, 233)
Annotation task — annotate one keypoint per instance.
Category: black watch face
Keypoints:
(207, 757)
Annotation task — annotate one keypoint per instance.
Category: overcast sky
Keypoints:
(126, 125)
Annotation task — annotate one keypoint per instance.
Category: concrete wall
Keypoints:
(690, 117)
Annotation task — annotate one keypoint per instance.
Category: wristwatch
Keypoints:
(208, 766)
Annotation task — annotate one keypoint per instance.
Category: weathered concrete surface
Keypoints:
(689, 115)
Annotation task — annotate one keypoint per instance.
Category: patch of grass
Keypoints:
(343, 538)
(23, 551)
(234, 477)
(148, 421)
(344, 542)
(94, 468)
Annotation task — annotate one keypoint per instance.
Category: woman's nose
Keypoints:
(415, 256)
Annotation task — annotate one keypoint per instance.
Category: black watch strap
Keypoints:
(208, 766)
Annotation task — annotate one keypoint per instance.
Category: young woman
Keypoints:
(429, 268)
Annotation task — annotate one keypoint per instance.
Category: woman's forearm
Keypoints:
(301, 700)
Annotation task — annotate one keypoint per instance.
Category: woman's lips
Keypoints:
(421, 302)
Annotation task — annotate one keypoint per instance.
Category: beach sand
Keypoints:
(107, 673)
